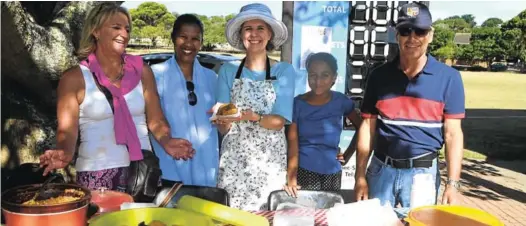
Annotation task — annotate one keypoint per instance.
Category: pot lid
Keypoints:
(109, 200)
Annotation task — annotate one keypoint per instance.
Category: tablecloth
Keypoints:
(320, 215)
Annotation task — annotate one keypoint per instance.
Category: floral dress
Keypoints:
(253, 159)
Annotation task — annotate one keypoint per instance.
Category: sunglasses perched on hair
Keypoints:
(192, 98)
(406, 31)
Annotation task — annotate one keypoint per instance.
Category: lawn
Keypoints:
(495, 124)
(495, 90)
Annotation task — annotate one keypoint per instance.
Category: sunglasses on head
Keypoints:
(192, 98)
(406, 31)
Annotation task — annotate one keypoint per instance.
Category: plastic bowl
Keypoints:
(451, 216)
(133, 217)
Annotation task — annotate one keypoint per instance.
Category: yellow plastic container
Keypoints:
(168, 216)
(221, 213)
(467, 212)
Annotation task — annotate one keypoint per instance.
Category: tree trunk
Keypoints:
(39, 40)
(154, 42)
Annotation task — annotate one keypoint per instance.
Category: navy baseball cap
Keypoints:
(414, 15)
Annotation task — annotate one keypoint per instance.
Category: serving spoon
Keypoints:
(42, 194)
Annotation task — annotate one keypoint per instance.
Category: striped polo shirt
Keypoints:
(411, 112)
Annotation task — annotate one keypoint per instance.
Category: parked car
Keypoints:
(155, 58)
(209, 60)
(498, 67)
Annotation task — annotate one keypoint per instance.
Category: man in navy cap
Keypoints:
(412, 106)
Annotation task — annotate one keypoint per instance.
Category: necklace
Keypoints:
(118, 77)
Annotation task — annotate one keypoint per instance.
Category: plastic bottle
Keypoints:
(423, 191)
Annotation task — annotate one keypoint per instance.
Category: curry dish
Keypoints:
(69, 195)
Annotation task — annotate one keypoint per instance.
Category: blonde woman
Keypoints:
(110, 136)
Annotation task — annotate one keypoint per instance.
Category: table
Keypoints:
(320, 217)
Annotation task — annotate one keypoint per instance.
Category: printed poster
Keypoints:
(314, 39)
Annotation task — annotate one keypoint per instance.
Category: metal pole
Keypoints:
(287, 18)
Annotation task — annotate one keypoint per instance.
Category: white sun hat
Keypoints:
(252, 12)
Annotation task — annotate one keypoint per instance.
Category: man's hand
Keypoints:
(55, 159)
(179, 148)
(361, 189)
(451, 196)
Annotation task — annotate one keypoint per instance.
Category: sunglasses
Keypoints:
(406, 31)
(192, 98)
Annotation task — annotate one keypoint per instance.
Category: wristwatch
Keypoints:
(454, 183)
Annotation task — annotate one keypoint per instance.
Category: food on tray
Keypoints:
(69, 195)
(227, 109)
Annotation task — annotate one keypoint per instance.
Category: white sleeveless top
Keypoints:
(98, 148)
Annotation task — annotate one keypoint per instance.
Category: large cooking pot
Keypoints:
(451, 216)
(61, 214)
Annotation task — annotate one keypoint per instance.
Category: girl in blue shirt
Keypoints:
(315, 131)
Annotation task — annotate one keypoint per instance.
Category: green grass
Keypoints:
(495, 90)
(468, 154)
(489, 132)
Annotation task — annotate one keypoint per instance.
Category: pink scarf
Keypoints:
(125, 131)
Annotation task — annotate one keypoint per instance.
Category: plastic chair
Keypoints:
(214, 194)
(317, 199)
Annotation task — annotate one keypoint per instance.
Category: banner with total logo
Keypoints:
(322, 26)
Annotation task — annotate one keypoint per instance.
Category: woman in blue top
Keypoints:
(315, 131)
(187, 91)
(253, 152)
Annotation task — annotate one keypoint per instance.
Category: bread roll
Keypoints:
(227, 109)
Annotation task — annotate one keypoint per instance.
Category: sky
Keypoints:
(482, 10)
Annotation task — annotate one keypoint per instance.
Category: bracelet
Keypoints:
(453, 183)
(260, 118)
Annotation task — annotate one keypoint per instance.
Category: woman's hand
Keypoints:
(292, 187)
(55, 159)
(222, 121)
(340, 158)
(249, 115)
(178, 148)
(227, 121)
